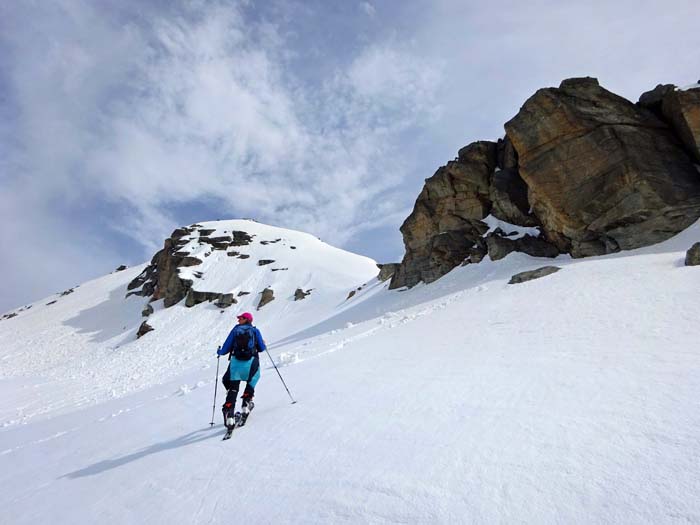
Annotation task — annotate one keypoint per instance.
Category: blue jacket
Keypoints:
(228, 345)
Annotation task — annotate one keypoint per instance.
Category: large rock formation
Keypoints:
(591, 172)
(603, 174)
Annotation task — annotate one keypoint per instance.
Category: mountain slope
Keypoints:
(568, 399)
(83, 348)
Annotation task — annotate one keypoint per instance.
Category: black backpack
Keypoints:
(244, 346)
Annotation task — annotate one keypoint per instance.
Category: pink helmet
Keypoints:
(247, 316)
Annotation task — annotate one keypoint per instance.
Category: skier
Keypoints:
(242, 344)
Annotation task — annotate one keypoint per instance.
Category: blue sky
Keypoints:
(120, 120)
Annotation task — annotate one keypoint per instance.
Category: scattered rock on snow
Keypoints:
(147, 310)
(51, 302)
(241, 238)
(692, 256)
(267, 295)
(351, 294)
(300, 294)
(144, 329)
(533, 274)
(263, 262)
(121, 268)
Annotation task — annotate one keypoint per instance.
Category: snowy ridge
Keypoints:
(568, 399)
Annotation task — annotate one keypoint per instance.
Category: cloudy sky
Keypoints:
(122, 119)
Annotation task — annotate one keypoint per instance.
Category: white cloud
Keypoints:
(201, 104)
(368, 8)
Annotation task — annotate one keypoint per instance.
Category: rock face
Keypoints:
(533, 274)
(445, 223)
(160, 279)
(682, 109)
(603, 174)
(588, 170)
(692, 256)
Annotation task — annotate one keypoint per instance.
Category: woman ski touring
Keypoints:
(242, 345)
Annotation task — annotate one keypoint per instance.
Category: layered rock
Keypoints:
(588, 170)
(603, 175)
(682, 109)
(445, 223)
(446, 227)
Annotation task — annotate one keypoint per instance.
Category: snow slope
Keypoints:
(82, 349)
(569, 399)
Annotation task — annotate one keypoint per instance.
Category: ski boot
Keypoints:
(228, 411)
(248, 405)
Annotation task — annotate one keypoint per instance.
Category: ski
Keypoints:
(236, 423)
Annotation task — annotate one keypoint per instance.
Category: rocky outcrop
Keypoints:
(592, 172)
(144, 329)
(264, 262)
(445, 223)
(692, 256)
(160, 279)
(533, 274)
(603, 175)
(266, 296)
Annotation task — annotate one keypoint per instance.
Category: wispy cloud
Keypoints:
(201, 105)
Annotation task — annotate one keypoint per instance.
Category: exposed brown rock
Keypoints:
(445, 223)
(533, 274)
(266, 296)
(692, 256)
(241, 238)
(682, 110)
(300, 294)
(386, 271)
(144, 329)
(652, 99)
(499, 246)
(603, 174)
(222, 300)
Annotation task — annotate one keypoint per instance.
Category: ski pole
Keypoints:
(278, 373)
(216, 384)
